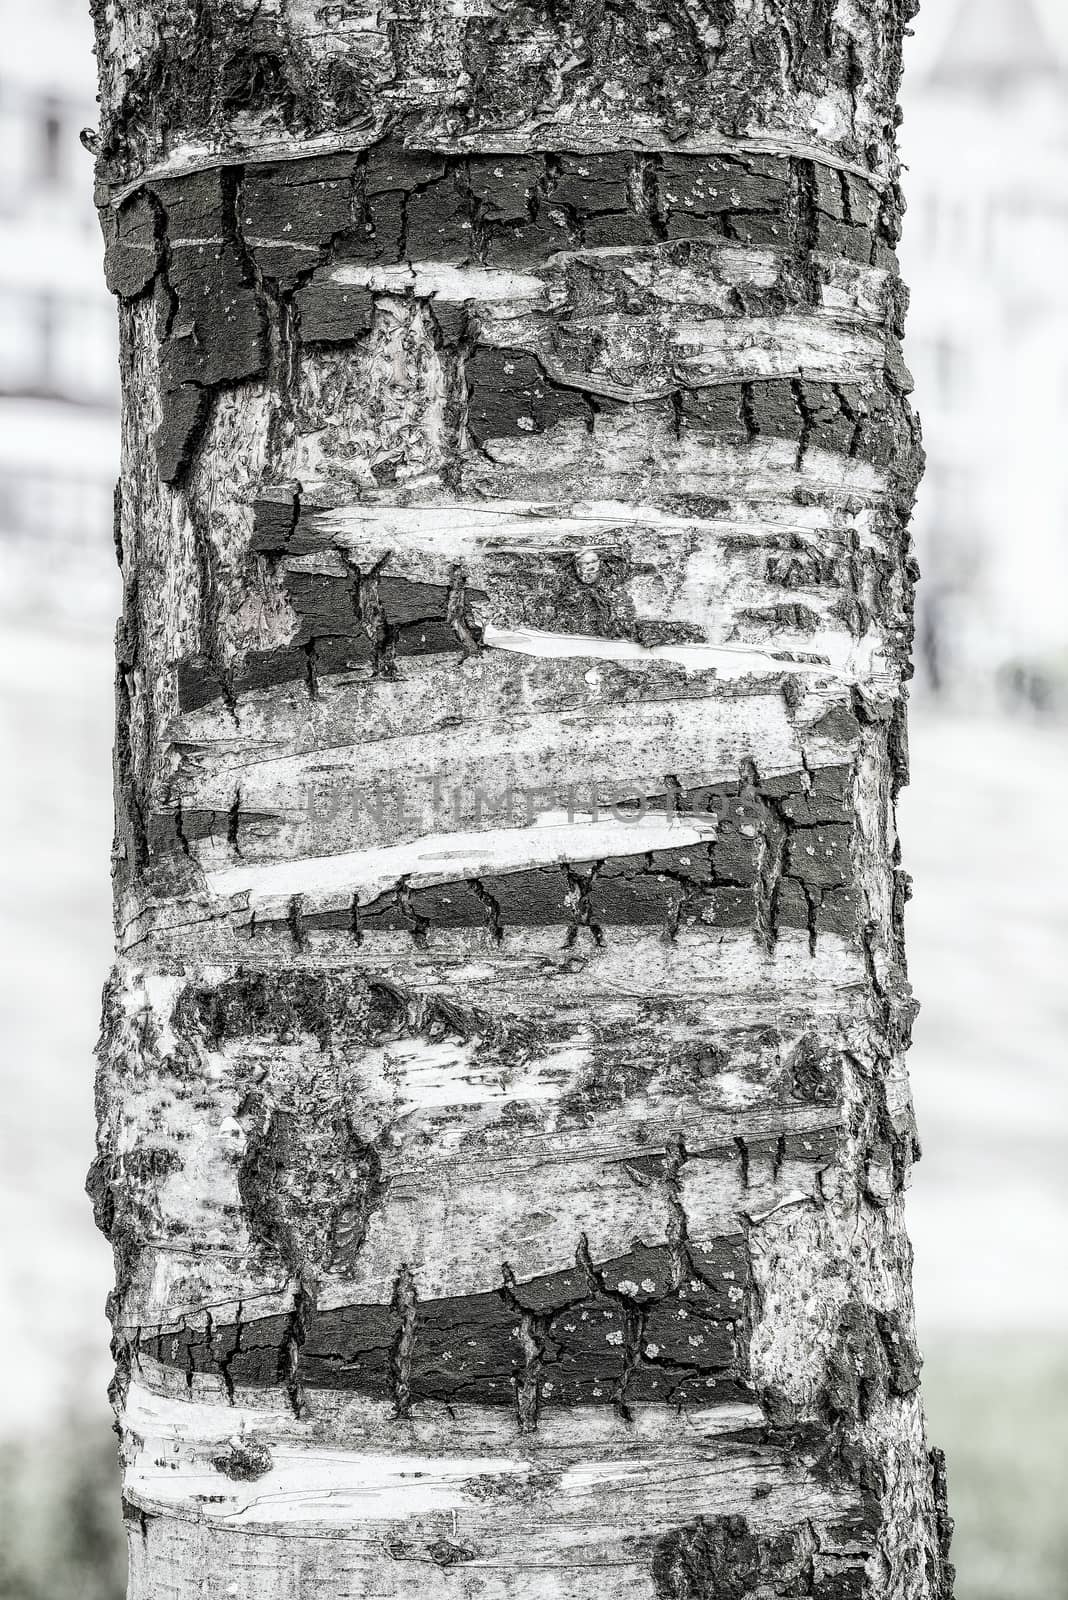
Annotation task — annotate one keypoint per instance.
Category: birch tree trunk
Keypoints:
(503, 1119)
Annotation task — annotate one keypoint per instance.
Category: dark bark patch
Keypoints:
(841, 1581)
(838, 911)
(903, 1358)
(802, 881)
(387, 913)
(438, 223)
(793, 906)
(350, 1348)
(467, 1349)
(451, 905)
(818, 1145)
(713, 1558)
(828, 800)
(838, 725)
(282, 1005)
(245, 1461)
(551, 1292)
(538, 898)
(821, 856)
(720, 1279)
(624, 893)
(333, 313)
(133, 246)
(675, 1333)
(206, 68)
(212, 319)
(856, 1365)
(344, 624)
(509, 395)
(227, 246)
(331, 1007)
(308, 1186)
(218, 332)
(446, 1553)
(645, 1274)
(275, 515)
(290, 212)
(573, 1337)
(506, 186)
(584, 594)
(173, 832)
(941, 1571)
(585, 1354)
(100, 1190)
(814, 1073)
(204, 65)
(184, 411)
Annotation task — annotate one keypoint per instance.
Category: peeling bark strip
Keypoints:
(804, 820)
(503, 1120)
(572, 241)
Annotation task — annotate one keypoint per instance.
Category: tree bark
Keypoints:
(503, 1120)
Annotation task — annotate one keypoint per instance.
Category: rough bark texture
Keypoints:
(502, 1107)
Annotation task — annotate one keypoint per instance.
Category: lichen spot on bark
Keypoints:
(245, 1460)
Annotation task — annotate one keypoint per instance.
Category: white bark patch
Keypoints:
(465, 1189)
(319, 801)
(705, 281)
(647, 358)
(465, 529)
(802, 1286)
(725, 660)
(423, 1077)
(754, 480)
(457, 1229)
(374, 407)
(583, 1477)
(425, 279)
(154, 1409)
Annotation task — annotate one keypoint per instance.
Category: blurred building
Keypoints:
(58, 360)
(58, 599)
(986, 255)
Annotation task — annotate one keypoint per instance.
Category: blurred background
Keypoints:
(986, 253)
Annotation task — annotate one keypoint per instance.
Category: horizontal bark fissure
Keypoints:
(665, 889)
(739, 148)
(227, 244)
(722, 876)
(644, 1327)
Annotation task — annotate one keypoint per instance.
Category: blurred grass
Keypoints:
(997, 1405)
(61, 1533)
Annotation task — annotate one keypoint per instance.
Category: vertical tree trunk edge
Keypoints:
(503, 1123)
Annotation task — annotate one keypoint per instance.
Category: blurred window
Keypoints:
(949, 497)
(70, 510)
(62, 345)
(37, 141)
(952, 368)
(20, 356)
(51, 129)
(83, 354)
